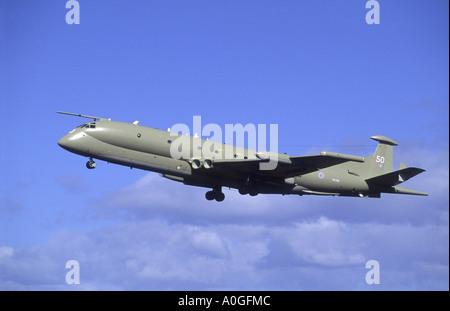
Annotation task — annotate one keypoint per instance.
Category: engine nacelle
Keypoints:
(208, 163)
(196, 164)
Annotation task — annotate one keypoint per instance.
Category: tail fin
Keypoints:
(381, 168)
(382, 161)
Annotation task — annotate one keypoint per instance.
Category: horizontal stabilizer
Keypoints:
(396, 177)
(399, 190)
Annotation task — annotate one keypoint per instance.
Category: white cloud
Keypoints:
(157, 255)
(325, 242)
(209, 243)
(6, 252)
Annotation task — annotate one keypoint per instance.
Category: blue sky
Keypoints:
(315, 68)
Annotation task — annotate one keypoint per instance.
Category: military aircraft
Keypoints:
(327, 173)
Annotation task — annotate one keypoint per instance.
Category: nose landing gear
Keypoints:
(91, 164)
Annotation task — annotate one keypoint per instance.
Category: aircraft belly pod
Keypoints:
(327, 173)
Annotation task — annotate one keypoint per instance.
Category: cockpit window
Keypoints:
(87, 125)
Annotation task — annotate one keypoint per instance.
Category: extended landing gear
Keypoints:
(248, 190)
(215, 194)
(91, 164)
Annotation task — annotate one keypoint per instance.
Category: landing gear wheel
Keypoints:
(210, 195)
(91, 164)
(253, 192)
(215, 194)
(243, 190)
(220, 196)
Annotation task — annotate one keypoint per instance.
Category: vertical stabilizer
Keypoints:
(382, 161)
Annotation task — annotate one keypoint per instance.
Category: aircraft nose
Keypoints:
(76, 142)
(63, 142)
(68, 142)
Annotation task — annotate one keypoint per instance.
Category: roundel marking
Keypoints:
(321, 175)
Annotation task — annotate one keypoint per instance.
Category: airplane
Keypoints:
(327, 173)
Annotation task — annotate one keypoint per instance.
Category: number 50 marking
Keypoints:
(380, 159)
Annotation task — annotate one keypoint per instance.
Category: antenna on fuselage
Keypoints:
(83, 116)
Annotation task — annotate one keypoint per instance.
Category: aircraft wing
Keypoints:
(323, 160)
(287, 167)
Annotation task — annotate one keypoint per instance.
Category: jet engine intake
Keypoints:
(196, 164)
(207, 163)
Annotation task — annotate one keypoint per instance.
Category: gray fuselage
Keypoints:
(150, 149)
